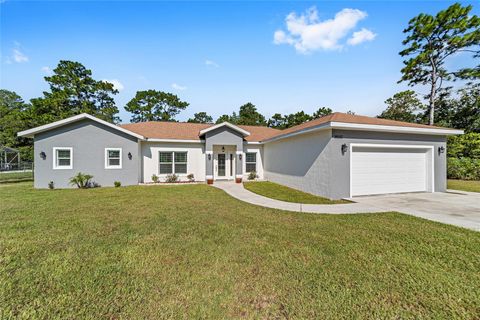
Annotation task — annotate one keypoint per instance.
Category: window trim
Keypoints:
(173, 162)
(58, 167)
(250, 162)
(107, 166)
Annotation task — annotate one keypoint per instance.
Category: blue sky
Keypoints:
(218, 55)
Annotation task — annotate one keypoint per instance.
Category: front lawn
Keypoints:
(7, 177)
(192, 251)
(279, 192)
(465, 185)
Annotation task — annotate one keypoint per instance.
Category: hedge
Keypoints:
(463, 168)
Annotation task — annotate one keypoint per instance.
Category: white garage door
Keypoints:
(388, 170)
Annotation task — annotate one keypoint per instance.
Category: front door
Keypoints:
(221, 167)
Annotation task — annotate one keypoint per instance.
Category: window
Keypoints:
(250, 161)
(62, 158)
(173, 162)
(113, 158)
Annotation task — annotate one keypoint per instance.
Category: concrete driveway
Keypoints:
(459, 208)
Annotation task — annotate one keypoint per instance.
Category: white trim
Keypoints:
(173, 163)
(208, 152)
(107, 166)
(31, 132)
(55, 167)
(368, 127)
(254, 142)
(396, 146)
(174, 140)
(384, 128)
(226, 124)
(238, 152)
(208, 177)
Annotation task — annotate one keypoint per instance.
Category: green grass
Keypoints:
(279, 192)
(465, 185)
(7, 177)
(191, 251)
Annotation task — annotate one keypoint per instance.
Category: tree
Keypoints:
(296, 119)
(403, 106)
(201, 117)
(321, 112)
(431, 40)
(153, 105)
(223, 118)
(15, 116)
(277, 121)
(249, 115)
(74, 91)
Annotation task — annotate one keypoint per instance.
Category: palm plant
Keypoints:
(81, 180)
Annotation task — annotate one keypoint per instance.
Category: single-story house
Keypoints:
(336, 156)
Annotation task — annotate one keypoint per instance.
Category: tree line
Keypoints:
(431, 40)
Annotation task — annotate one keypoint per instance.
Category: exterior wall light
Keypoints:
(441, 149)
(43, 155)
(129, 156)
(223, 148)
(344, 148)
(240, 156)
(209, 157)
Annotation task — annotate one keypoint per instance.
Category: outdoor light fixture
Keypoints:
(240, 156)
(223, 148)
(441, 150)
(129, 156)
(43, 155)
(344, 148)
(209, 157)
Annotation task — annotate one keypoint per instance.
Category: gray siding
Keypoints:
(88, 140)
(314, 162)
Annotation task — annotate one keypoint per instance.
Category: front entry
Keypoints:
(224, 166)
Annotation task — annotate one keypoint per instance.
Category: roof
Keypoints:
(31, 132)
(191, 131)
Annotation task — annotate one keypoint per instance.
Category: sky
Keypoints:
(282, 56)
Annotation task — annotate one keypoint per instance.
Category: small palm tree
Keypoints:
(81, 180)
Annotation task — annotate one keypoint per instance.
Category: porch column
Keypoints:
(209, 166)
(239, 166)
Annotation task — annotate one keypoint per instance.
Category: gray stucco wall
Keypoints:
(223, 136)
(88, 140)
(314, 162)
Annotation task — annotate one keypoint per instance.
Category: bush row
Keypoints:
(463, 168)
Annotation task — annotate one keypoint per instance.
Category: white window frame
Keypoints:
(249, 162)
(173, 163)
(54, 157)
(107, 165)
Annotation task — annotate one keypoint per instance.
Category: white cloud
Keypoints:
(308, 33)
(116, 84)
(19, 56)
(211, 63)
(47, 70)
(361, 36)
(178, 87)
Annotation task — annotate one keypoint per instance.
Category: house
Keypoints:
(336, 156)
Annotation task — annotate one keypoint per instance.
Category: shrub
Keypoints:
(117, 184)
(464, 146)
(154, 178)
(171, 178)
(51, 185)
(252, 175)
(81, 180)
(463, 168)
(191, 177)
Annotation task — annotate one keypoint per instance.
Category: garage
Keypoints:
(383, 169)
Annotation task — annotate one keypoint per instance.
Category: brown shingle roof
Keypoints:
(190, 131)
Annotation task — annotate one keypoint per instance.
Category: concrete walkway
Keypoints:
(237, 190)
(457, 208)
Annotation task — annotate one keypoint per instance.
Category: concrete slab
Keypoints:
(454, 207)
